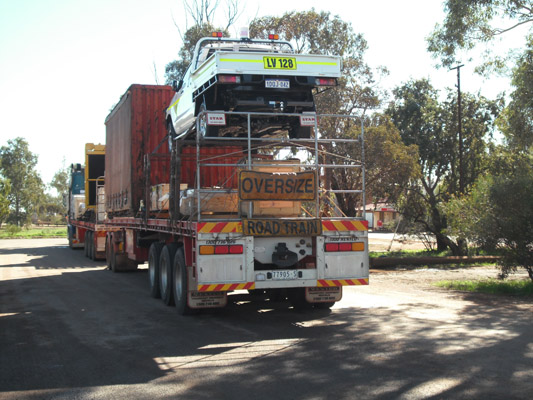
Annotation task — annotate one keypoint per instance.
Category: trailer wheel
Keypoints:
(297, 299)
(324, 306)
(86, 244)
(119, 262)
(153, 268)
(165, 272)
(92, 249)
(108, 251)
(180, 284)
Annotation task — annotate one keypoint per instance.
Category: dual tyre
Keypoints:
(168, 276)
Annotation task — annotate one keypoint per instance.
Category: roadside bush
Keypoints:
(12, 230)
(498, 214)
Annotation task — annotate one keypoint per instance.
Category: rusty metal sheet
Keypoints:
(282, 227)
(300, 186)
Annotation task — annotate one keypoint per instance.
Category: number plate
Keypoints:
(279, 63)
(277, 84)
(284, 275)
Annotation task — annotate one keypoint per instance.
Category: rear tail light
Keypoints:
(332, 247)
(236, 249)
(231, 249)
(326, 81)
(229, 79)
(217, 34)
(221, 250)
(345, 246)
(273, 36)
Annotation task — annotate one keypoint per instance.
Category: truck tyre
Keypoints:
(297, 299)
(324, 306)
(180, 283)
(171, 133)
(206, 130)
(119, 262)
(165, 272)
(86, 244)
(108, 251)
(153, 268)
(92, 250)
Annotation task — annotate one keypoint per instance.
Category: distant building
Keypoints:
(381, 216)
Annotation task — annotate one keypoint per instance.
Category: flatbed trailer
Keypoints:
(216, 215)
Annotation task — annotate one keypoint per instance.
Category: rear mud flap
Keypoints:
(323, 294)
(207, 299)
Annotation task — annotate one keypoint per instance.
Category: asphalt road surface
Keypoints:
(70, 329)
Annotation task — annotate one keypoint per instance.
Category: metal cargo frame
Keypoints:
(314, 146)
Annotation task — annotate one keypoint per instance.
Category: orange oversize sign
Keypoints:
(300, 186)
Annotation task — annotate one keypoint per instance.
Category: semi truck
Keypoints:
(86, 213)
(215, 210)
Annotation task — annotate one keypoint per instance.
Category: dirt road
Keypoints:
(69, 329)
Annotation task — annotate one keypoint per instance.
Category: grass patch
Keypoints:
(410, 253)
(491, 286)
(34, 233)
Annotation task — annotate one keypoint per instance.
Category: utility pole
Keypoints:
(459, 126)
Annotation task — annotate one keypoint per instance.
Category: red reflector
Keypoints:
(235, 249)
(229, 79)
(345, 247)
(326, 82)
(221, 249)
(332, 247)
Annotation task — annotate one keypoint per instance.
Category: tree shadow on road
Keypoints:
(86, 333)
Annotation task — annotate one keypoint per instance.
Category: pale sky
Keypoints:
(65, 63)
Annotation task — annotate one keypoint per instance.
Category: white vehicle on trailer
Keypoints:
(248, 75)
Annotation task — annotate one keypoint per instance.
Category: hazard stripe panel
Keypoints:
(354, 225)
(226, 287)
(341, 282)
(219, 227)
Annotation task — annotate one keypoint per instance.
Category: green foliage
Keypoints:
(11, 229)
(469, 22)
(517, 121)
(313, 32)
(5, 191)
(18, 163)
(431, 125)
(60, 181)
(15, 232)
(175, 70)
(498, 213)
(388, 161)
(491, 286)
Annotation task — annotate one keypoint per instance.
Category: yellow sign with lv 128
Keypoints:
(279, 62)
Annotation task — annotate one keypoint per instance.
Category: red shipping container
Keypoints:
(211, 176)
(135, 127)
